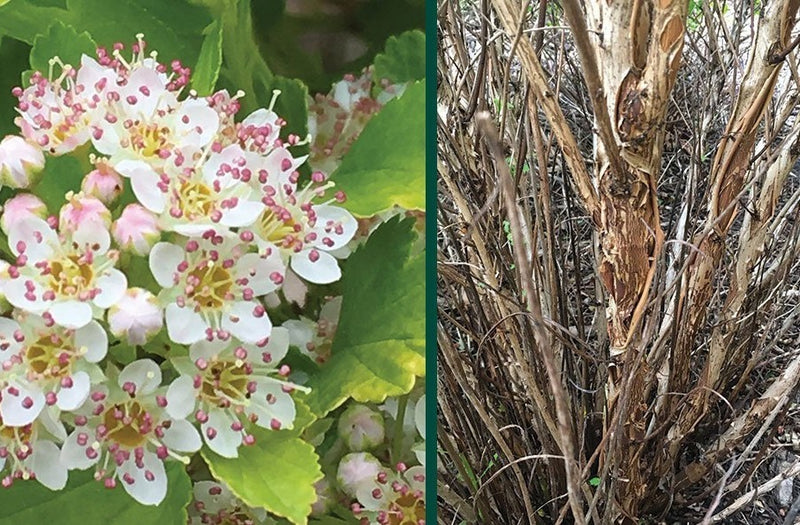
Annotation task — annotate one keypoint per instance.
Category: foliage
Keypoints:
(304, 277)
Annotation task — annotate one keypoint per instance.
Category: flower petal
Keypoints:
(164, 260)
(16, 291)
(270, 402)
(37, 237)
(182, 436)
(94, 339)
(242, 322)
(205, 349)
(244, 213)
(278, 344)
(184, 325)
(93, 233)
(146, 491)
(70, 398)
(257, 269)
(225, 440)
(22, 406)
(181, 397)
(324, 270)
(70, 313)
(144, 373)
(73, 455)
(8, 344)
(149, 195)
(112, 287)
(46, 465)
(336, 224)
(196, 123)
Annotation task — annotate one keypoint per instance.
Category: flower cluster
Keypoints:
(338, 118)
(219, 217)
(215, 504)
(381, 488)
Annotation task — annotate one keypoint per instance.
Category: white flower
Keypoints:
(304, 232)
(57, 114)
(315, 339)
(127, 434)
(336, 120)
(69, 277)
(143, 118)
(211, 285)
(136, 317)
(194, 200)
(396, 496)
(231, 385)
(44, 364)
(30, 451)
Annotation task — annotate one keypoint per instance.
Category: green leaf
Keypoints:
(23, 19)
(85, 500)
(206, 71)
(62, 41)
(379, 346)
(386, 164)
(61, 175)
(278, 472)
(14, 57)
(404, 58)
(173, 28)
(122, 353)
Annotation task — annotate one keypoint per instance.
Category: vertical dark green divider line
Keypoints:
(431, 40)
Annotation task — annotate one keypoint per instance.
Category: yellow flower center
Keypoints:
(195, 199)
(126, 430)
(412, 509)
(43, 357)
(212, 286)
(273, 229)
(223, 381)
(69, 276)
(148, 139)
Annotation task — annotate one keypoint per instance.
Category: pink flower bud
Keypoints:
(80, 209)
(136, 317)
(361, 428)
(357, 469)
(19, 162)
(20, 207)
(136, 230)
(103, 183)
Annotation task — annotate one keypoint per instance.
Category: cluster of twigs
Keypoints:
(529, 431)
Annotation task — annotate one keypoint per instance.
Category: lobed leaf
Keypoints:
(385, 167)
(404, 58)
(278, 472)
(62, 41)
(379, 346)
